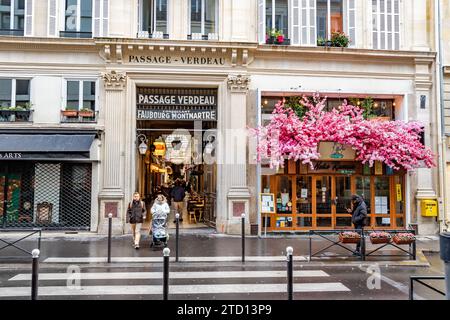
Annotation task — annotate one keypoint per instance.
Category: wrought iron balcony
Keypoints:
(75, 116)
(15, 115)
(75, 34)
(12, 32)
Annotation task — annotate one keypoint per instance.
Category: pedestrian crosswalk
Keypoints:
(187, 280)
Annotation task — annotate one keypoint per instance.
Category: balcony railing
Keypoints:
(75, 116)
(11, 115)
(75, 34)
(272, 40)
(155, 35)
(11, 32)
(199, 36)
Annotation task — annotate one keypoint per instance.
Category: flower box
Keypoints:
(349, 237)
(86, 113)
(404, 238)
(69, 113)
(380, 237)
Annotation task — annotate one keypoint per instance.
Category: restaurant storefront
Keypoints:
(318, 198)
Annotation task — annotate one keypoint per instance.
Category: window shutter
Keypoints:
(97, 17)
(386, 24)
(262, 21)
(304, 22)
(350, 29)
(29, 18)
(52, 18)
(105, 18)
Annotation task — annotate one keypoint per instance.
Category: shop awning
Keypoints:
(45, 146)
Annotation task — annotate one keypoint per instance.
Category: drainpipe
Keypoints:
(443, 218)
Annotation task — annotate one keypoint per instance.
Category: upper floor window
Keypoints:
(80, 102)
(203, 16)
(153, 18)
(14, 93)
(16, 18)
(307, 22)
(386, 24)
(78, 18)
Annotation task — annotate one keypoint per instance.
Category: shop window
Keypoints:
(284, 222)
(153, 18)
(304, 195)
(323, 195)
(324, 222)
(304, 222)
(399, 195)
(81, 95)
(400, 220)
(203, 16)
(363, 189)
(382, 221)
(382, 195)
(386, 24)
(14, 93)
(284, 195)
(343, 194)
(266, 222)
(343, 222)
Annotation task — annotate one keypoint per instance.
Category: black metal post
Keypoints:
(444, 244)
(310, 245)
(177, 221)
(35, 274)
(411, 289)
(290, 287)
(166, 253)
(363, 245)
(414, 247)
(243, 236)
(109, 236)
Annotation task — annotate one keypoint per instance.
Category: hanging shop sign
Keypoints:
(176, 114)
(331, 151)
(10, 155)
(334, 167)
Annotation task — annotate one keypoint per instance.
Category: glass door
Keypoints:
(323, 201)
(343, 201)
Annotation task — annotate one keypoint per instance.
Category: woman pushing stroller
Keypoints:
(160, 211)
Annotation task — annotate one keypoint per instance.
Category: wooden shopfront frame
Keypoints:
(396, 209)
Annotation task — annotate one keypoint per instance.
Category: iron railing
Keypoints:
(419, 279)
(12, 32)
(9, 243)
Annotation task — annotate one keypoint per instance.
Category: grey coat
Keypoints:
(359, 214)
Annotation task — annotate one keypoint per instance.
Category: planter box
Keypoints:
(69, 113)
(401, 240)
(356, 238)
(86, 114)
(15, 115)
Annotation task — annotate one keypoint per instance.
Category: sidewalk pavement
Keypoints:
(208, 243)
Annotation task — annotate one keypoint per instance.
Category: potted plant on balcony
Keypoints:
(339, 39)
(274, 36)
(86, 113)
(69, 113)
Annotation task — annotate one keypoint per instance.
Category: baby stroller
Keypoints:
(160, 235)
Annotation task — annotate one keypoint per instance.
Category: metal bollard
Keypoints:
(166, 253)
(35, 274)
(445, 256)
(177, 219)
(290, 276)
(243, 236)
(109, 236)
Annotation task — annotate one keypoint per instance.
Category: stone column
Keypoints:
(112, 192)
(426, 185)
(236, 161)
(420, 27)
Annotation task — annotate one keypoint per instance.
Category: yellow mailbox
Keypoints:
(429, 208)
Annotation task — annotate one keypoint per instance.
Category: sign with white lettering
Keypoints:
(10, 155)
(179, 115)
(176, 100)
(173, 60)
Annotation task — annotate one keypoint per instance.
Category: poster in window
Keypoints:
(378, 168)
(267, 202)
(381, 205)
(398, 188)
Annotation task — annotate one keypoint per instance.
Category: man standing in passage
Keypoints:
(178, 193)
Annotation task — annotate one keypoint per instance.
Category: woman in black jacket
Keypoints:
(359, 217)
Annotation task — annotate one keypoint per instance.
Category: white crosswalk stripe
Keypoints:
(191, 280)
(160, 259)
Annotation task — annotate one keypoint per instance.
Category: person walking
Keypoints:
(136, 214)
(178, 193)
(359, 217)
(160, 207)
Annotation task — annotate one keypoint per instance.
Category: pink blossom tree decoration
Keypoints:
(287, 136)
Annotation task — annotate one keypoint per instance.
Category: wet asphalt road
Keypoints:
(124, 280)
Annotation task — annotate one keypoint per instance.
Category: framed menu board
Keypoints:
(267, 201)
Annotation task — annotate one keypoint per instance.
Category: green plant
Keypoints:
(321, 41)
(86, 110)
(295, 104)
(339, 39)
(274, 33)
(366, 105)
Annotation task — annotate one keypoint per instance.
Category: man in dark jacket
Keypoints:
(359, 216)
(178, 193)
(136, 214)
